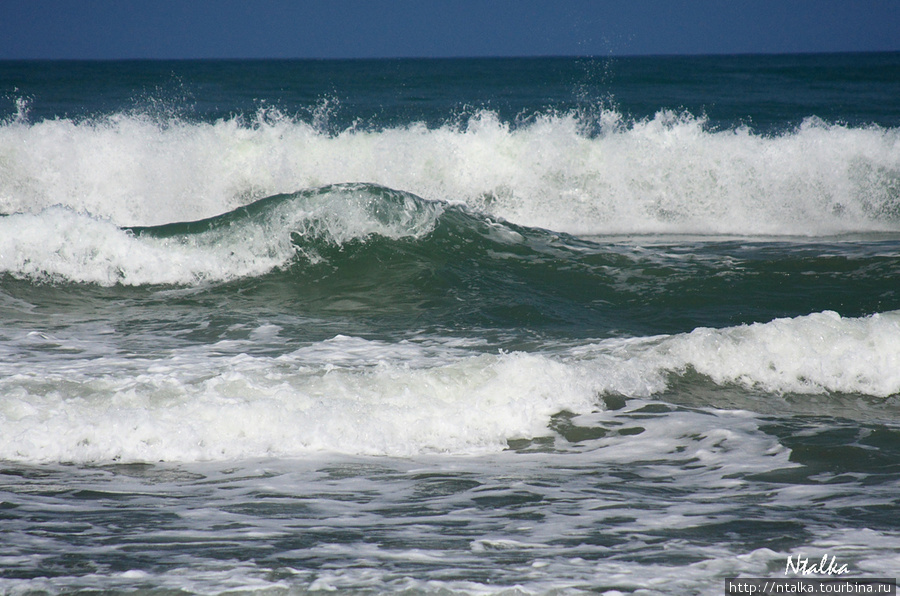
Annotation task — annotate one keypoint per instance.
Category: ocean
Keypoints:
(617, 325)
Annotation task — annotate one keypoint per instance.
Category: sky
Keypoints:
(175, 29)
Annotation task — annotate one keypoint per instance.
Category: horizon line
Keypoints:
(458, 57)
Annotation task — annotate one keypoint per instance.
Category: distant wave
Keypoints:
(568, 172)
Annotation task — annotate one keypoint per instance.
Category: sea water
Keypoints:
(489, 326)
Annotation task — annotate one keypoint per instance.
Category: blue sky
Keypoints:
(162, 29)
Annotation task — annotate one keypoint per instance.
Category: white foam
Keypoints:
(822, 352)
(668, 174)
(190, 407)
(58, 243)
(818, 353)
(357, 396)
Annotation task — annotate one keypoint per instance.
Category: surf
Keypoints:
(584, 172)
(424, 395)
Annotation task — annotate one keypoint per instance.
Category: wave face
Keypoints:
(569, 172)
(61, 244)
(362, 251)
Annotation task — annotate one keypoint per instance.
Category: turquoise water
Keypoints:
(448, 326)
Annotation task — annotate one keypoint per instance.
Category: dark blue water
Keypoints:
(768, 93)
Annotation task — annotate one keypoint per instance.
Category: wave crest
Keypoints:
(60, 244)
(577, 172)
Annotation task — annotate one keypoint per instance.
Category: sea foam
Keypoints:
(818, 353)
(365, 397)
(672, 173)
